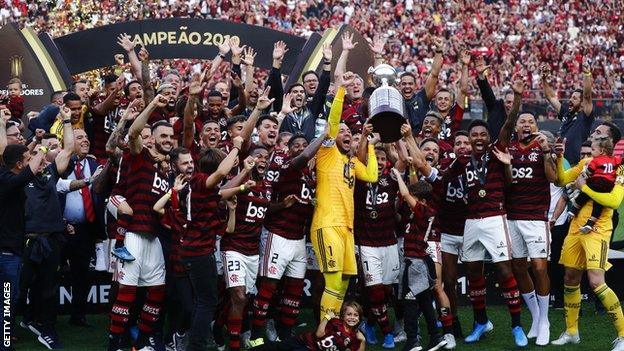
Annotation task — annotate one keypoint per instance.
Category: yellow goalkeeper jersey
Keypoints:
(336, 174)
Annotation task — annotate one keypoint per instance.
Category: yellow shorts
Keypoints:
(586, 251)
(334, 248)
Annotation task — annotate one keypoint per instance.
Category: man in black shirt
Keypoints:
(497, 109)
(576, 116)
(44, 237)
(19, 168)
(417, 102)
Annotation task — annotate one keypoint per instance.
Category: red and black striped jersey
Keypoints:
(205, 220)
(293, 222)
(484, 200)
(145, 184)
(251, 210)
(276, 160)
(449, 202)
(336, 337)
(375, 214)
(176, 221)
(451, 123)
(416, 232)
(103, 127)
(528, 197)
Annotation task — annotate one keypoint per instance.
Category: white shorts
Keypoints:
(240, 270)
(380, 265)
(218, 257)
(529, 238)
(434, 250)
(452, 244)
(313, 264)
(486, 235)
(283, 256)
(148, 268)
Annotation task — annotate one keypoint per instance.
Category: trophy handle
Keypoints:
(371, 69)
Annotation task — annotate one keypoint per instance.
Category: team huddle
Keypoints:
(217, 217)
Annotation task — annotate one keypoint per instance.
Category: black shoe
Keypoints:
(436, 343)
(34, 327)
(115, 342)
(50, 339)
(217, 334)
(457, 329)
(80, 322)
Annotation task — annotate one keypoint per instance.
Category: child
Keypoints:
(601, 174)
(418, 277)
(332, 334)
(15, 101)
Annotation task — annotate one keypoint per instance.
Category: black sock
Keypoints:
(425, 303)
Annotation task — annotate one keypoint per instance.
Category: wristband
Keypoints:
(242, 188)
(326, 62)
(328, 317)
(221, 55)
(587, 74)
(65, 121)
(43, 149)
(87, 181)
(439, 51)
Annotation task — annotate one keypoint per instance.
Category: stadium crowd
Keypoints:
(210, 194)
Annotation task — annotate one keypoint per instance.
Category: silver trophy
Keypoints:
(385, 106)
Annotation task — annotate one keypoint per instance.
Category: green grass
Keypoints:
(596, 332)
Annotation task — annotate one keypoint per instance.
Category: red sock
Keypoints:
(446, 318)
(379, 307)
(512, 298)
(235, 325)
(120, 312)
(290, 303)
(477, 292)
(151, 308)
(261, 305)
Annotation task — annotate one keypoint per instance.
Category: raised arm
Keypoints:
(116, 137)
(403, 190)
(587, 89)
(275, 76)
(248, 59)
(320, 95)
(484, 86)
(362, 150)
(335, 113)
(135, 64)
(226, 165)
(369, 172)
(63, 157)
(196, 86)
(510, 123)
(347, 45)
(263, 103)
(146, 79)
(134, 133)
(432, 79)
(306, 155)
(549, 92)
(242, 98)
(108, 104)
(550, 168)
(377, 47)
(463, 80)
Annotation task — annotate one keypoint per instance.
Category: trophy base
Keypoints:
(388, 125)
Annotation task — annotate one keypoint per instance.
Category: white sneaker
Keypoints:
(450, 341)
(543, 335)
(618, 344)
(271, 333)
(400, 337)
(566, 338)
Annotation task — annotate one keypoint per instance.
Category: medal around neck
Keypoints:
(385, 106)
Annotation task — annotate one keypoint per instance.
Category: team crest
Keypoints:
(533, 156)
(331, 263)
(383, 182)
